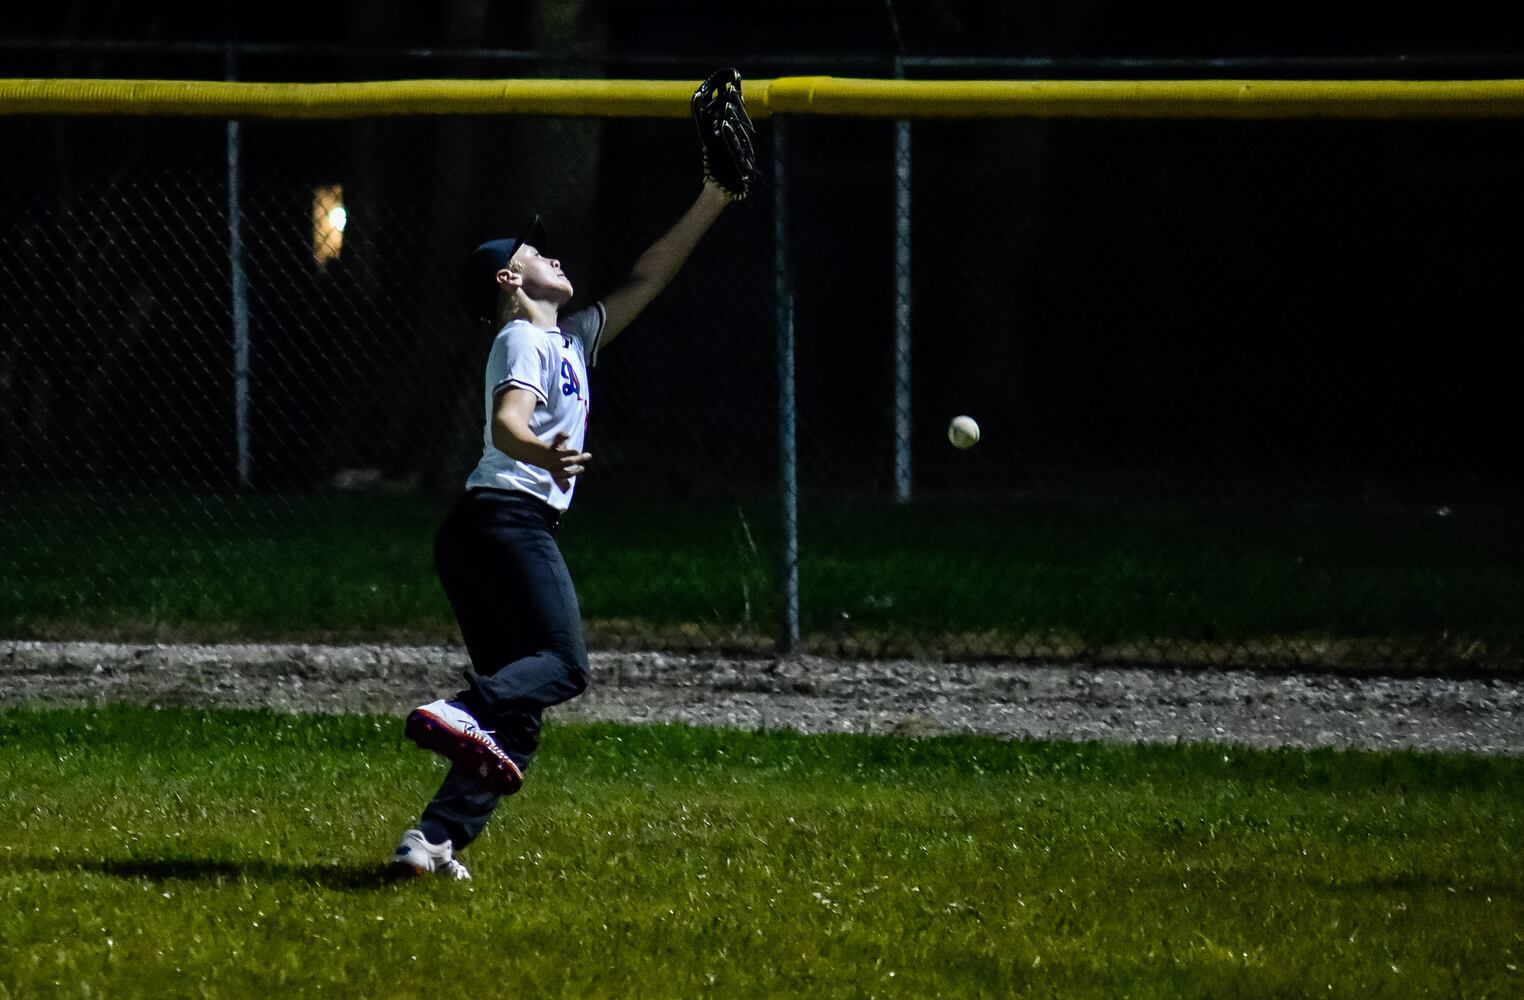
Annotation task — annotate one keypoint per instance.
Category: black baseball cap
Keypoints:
(479, 282)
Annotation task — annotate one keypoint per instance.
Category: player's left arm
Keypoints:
(655, 269)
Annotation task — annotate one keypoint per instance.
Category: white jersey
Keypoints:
(553, 365)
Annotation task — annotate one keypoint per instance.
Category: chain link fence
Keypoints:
(1246, 388)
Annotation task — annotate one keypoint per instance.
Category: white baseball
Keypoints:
(963, 432)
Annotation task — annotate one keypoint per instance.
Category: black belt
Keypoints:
(551, 514)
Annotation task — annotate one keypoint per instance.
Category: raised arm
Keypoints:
(656, 268)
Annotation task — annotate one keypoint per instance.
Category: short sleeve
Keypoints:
(526, 362)
(586, 325)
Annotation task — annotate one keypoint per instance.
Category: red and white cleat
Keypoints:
(453, 733)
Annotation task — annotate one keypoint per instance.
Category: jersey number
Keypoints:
(570, 387)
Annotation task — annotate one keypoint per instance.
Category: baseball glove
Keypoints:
(725, 132)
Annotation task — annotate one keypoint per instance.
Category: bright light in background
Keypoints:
(328, 220)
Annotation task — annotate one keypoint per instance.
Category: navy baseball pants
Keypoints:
(497, 558)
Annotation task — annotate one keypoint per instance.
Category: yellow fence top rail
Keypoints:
(807, 95)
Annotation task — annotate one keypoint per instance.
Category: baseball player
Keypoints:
(496, 554)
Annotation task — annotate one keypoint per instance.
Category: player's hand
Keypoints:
(565, 462)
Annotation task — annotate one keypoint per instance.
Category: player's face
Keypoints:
(543, 277)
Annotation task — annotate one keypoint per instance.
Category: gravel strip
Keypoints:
(811, 694)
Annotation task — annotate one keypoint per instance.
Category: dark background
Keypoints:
(822, 29)
(1213, 308)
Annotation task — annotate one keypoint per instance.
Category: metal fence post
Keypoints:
(240, 293)
(788, 456)
(902, 479)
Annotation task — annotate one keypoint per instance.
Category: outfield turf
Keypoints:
(184, 853)
(986, 575)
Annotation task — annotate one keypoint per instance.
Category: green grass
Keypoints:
(967, 575)
(178, 853)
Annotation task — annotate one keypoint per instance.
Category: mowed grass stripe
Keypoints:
(179, 852)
